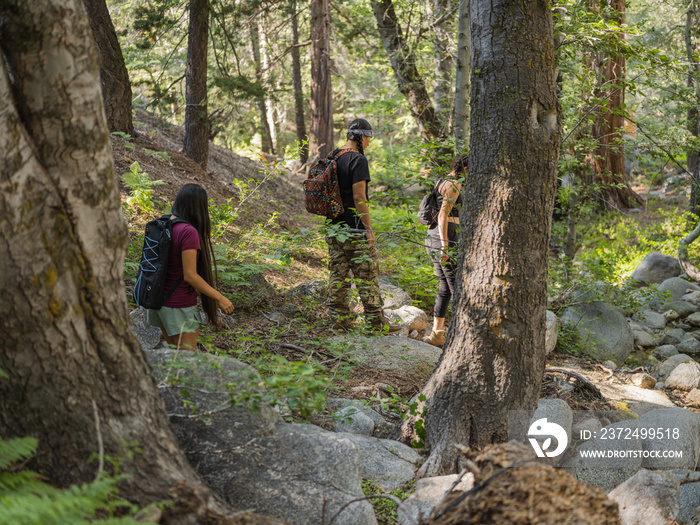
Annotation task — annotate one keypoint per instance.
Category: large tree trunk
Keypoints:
(197, 126)
(494, 357)
(608, 158)
(116, 88)
(78, 378)
(321, 103)
(403, 62)
(302, 139)
(462, 77)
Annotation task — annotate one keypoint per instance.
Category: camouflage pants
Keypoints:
(353, 258)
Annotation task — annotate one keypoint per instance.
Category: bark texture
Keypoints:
(494, 357)
(116, 88)
(692, 156)
(321, 103)
(302, 139)
(196, 144)
(78, 378)
(462, 77)
(403, 63)
(443, 28)
(608, 159)
(267, 142)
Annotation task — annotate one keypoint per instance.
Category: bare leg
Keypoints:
(183, 340)
(438, 323)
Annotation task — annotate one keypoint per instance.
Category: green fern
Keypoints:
(26, 500)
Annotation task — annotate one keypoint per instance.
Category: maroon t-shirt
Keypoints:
(185, 237)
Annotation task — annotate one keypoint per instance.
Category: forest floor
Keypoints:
(254, 191)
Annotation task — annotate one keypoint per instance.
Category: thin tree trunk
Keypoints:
(267, 144)
(78, 378)
(494, 357)
(321, 103)
(462, 77)
(197, 126)
(116, 88)
(692, 164)
(269, 104)
(302, 139)
(443, 27)
(403, 63)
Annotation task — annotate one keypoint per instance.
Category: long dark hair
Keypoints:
(192, 205)
(358, 124)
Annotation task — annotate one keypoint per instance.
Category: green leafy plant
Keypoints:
(385, 504)
(27, 500)
(141, 187)
(126, 138)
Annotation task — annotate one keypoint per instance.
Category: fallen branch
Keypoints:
(689, 268)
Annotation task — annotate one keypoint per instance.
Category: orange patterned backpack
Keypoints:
(322, 190)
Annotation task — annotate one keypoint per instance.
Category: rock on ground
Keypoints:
(648, 497)
(390, 353)
(601, 327)
(655, 268)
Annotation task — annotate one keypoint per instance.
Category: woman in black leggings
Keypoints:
(441, 241)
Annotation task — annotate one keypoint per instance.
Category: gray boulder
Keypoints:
(412, 317)
(393, 296)
(664, 352)
(685, 376)
(683, 308)
(652, 320)
(674, 336)
(249, 457)
(555, 411)
(643, 339)
(690, 346)
(601, 327)
(352, 420)
(394, 354)
(350, 410)
(195, 388)
(670, 429)
(302, 473)
(551, 332)
(656, 268)
(609, 471)
(690, 496)
(664, 369)
(677, 288)
(648, 497)
(388, 463)
(429, 494)
(149, 336)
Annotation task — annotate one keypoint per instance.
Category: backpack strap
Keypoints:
(177, 220)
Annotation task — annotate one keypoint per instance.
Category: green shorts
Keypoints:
(175, 320)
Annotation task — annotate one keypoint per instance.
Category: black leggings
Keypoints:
(444, 271)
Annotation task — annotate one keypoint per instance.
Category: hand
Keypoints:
(445, 255)
(369, 234)
(225, 305)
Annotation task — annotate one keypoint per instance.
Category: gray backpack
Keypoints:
(429, 208)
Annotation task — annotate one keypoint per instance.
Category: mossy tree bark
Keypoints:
(494, 356)
(78, 379)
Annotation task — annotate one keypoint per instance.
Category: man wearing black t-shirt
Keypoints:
(354, 254)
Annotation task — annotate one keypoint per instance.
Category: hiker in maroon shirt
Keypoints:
(191, 258)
